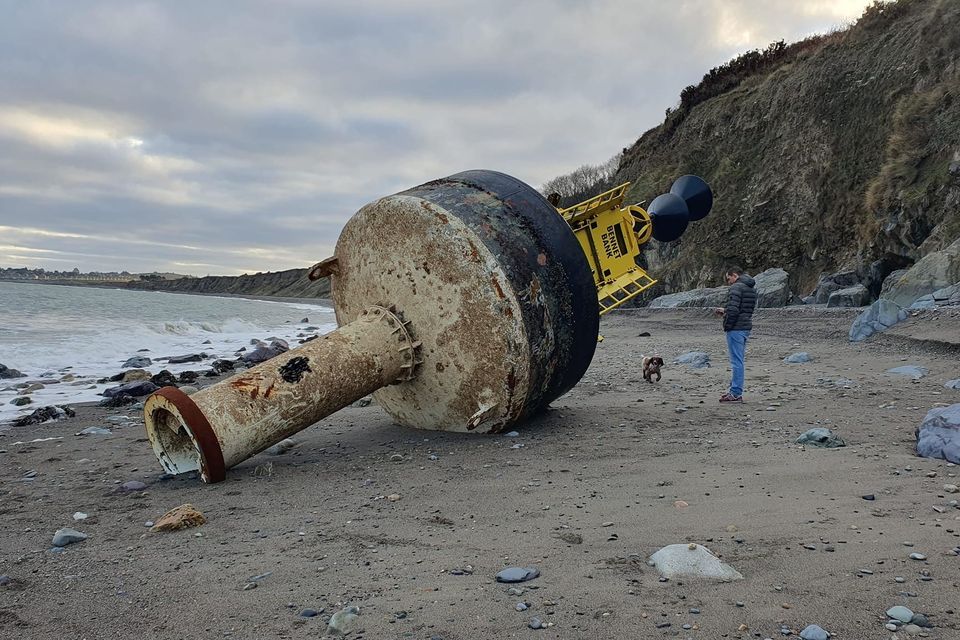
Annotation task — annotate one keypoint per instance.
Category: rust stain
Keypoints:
(497, 287)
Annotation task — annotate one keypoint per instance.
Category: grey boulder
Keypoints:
(953, 384)
(137, 362)
(711, 297)
(798, 358)
(6, 372)
(880, 316)
(773, 288)
(829, 283)
(814, 632)
(518, 574)
(855, 296)
(935, 271)
(938, 436)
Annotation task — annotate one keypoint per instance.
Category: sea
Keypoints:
(66, 338)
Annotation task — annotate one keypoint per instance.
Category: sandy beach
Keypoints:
(626, 466)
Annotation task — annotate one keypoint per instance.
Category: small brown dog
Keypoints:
(651, 366)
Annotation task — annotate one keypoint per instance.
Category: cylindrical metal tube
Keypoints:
(228, 422)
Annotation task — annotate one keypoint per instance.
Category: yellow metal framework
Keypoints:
(611, 235)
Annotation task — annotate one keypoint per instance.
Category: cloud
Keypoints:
(229, 136)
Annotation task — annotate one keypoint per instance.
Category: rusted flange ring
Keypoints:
(212, 468)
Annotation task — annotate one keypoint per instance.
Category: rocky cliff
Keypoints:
(292, 283)
(839, 152)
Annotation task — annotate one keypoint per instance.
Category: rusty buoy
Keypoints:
(464, 304)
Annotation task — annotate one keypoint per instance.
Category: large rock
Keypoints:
(855, 296)
(713, 297)
(938, 436)
(141, 388)
(934, 271)
(773, 288)
(263, 353)
(692, 561)
(830, 283)
(44, 414)
(137, 362)
(880, 316)
(6, 372)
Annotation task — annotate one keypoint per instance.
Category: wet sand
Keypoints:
(608, 462)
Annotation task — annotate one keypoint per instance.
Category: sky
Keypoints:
(231, 136)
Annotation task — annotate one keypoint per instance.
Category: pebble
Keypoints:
(512, 434)
(80, 515)
(521, 606)
(917, 556)
(5, 580)
(518, 574)
(890, 626)
(95, 431)
(396, 458)
(535, 623)
(920, 620)
(308, 613)
(249, 586)
(951, 488)
(899, 579)
(344, 621)
(813, 632)
(66, 536)
(912, 629)
(132, 485)
(900, 613)
(515, 591)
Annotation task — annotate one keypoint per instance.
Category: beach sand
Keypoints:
(609, 462)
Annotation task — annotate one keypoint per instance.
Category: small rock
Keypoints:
(798, 358)
(66, 536)
(951, 488)
(680, 561)
(344, 621)
(912, 629)
(80, 515)
(917, 556)
(512, 434)
(518, 574)
(21, 401)
(132, 485)
(5, 580)
(900, 613)
(137, 362)
(813, 632)
(535, 623)
(694, 359)
(393, 497)
(521, 606)
(183, 517)
(920, 620)
(913, 371)
(249, 586)
(821, 437)
(869, 497)
(95, 431)
(309, 613)
(396, 458)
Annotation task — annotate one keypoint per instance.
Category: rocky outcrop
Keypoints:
(772, 285)
(713, 297)
(938, 436)
(937, 270)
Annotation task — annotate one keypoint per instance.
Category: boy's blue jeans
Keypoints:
(737, 346)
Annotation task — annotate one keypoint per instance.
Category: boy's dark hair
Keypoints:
(733, 270)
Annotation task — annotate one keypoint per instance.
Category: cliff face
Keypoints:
(292, 283)
(844, 154)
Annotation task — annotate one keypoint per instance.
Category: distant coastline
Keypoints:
(326, 301)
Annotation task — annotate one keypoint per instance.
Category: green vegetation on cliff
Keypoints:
(840, 151)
